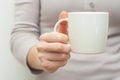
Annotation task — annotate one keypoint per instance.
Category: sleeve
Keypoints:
(26, 30)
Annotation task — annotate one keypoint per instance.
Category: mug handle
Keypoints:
(58, 22)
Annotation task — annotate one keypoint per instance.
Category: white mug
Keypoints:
(87, 31)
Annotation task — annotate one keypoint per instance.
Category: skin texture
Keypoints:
(53, 51)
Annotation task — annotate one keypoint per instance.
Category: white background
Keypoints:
(10, 69)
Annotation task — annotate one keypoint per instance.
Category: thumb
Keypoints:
(62, 28)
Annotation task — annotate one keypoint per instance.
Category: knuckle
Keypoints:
(64, 63)
(46, 65)
(41, 48)
(64, 56)
(53, 70)
(59, 47)
(40, 56)
(68, 48)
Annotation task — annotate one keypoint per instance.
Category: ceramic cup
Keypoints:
(87, 31)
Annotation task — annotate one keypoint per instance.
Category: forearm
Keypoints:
(26, 30)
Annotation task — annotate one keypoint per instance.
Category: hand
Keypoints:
(53, 50)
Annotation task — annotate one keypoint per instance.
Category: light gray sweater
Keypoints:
(35, 17)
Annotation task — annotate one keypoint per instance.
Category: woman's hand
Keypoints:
(53, 50)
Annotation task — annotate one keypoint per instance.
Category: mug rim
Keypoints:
(88, 13)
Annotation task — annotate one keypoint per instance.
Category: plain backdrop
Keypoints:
(10, 68)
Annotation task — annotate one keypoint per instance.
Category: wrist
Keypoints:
(32, 59)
